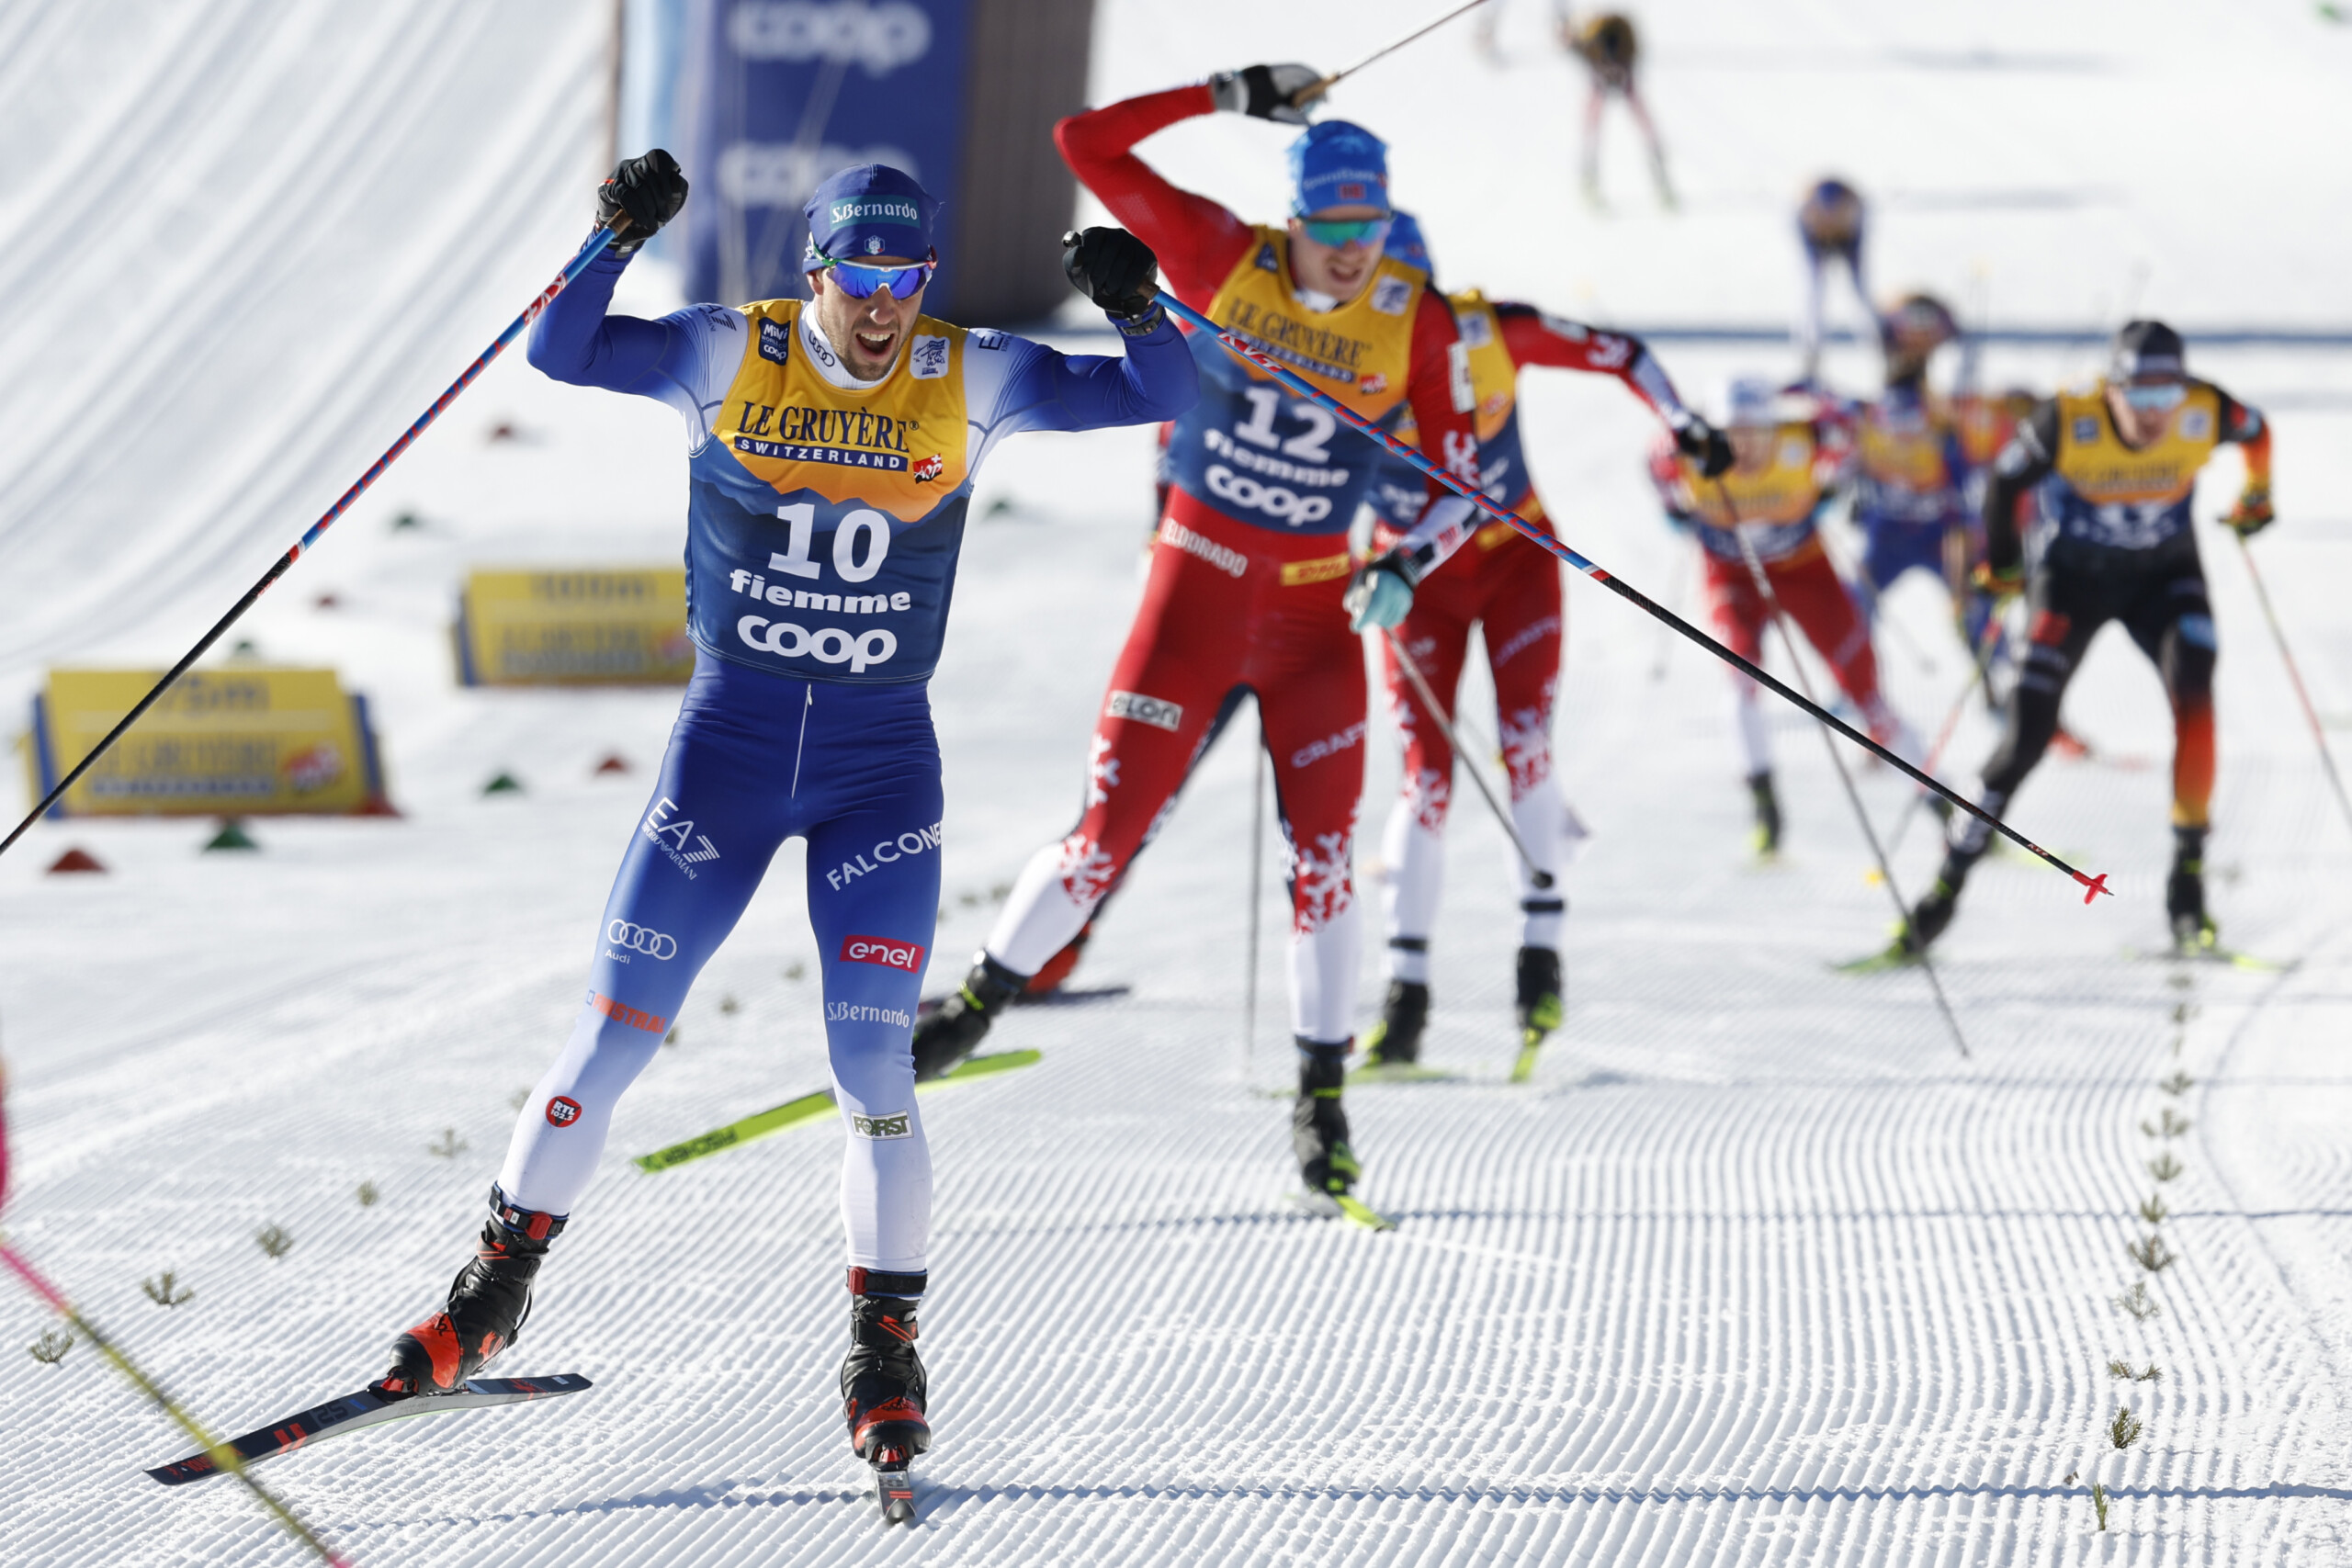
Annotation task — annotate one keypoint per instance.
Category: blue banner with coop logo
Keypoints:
(781, 94)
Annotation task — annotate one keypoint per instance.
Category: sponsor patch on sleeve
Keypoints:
(1391, 295)
(896, 1124)
(930, 358)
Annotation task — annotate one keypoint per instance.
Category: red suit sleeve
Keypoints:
(1449, 438)
(1197, 241)
(1534, 338)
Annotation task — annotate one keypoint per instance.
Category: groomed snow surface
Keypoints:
(1757, 1270)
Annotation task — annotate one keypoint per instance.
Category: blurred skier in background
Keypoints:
(831, 450)
(1609, 47)
(1910, 474)
(2113, 470)
(1986, 420)
(1829, 227)
(1251, 562)
(1511, 590)
(1791, 453)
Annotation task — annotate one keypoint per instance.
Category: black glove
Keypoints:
(1116, 271)
(651, 189)
(1705, 446)
(1264, 91)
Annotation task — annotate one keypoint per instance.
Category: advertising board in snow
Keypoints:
(574, 625)
(238, 740)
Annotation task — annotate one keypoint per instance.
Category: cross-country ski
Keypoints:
(367, 1407)
(1468, 781)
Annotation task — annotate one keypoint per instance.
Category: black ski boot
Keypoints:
(2193, 930)
(952, 1034)
(1766, 837)
(1396, 1039)
(1927, 918)
(489, 1302)
(882, 1378)
(1540, 1005)
(1318, 1126)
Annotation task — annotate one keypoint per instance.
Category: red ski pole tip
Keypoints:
(2093, 885)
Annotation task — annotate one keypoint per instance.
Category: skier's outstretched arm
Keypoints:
(575, 339)
(1535, 338)
(1027, 386)
(1198, 239)
(2024, 463)
(2243, 425)
(1014, 384)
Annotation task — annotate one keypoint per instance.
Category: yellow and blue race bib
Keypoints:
(827, 520)
(2103, 492)
(1257, 451)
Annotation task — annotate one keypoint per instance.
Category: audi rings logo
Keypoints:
(641, 939)
(829, 646)
(1275, 500)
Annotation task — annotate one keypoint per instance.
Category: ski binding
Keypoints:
(894, 1485)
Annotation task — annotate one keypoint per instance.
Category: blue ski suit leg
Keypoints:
(756, 758)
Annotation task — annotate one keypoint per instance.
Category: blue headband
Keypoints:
(1337, 164)
(871, 209)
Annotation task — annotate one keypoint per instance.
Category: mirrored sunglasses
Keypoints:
(2156, 397)
(1364, 232)
(859, 280)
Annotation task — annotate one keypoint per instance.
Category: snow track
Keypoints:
(1757, 1271)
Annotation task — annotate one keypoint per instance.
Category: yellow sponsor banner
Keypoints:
(239, 741)
(574, 625)
(1322, 569)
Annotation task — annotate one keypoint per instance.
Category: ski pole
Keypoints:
(1666, 634)
(1853, 798)
(1536, 874)
(1315, 90)
(222, 1454)
(579, 263)
(2295, 675)
(1234, 344)
(1980, 672)
(1258, 764)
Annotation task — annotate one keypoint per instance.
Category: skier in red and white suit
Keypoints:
(1792, 451)
(1251, 560)
(1510, 586)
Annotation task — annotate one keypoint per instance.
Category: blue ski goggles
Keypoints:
(2154, 397)
(860, 280)
(1365, 231)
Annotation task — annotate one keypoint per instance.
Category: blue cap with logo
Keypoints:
(1337, 164)
(1406, 244)
(871, 209)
